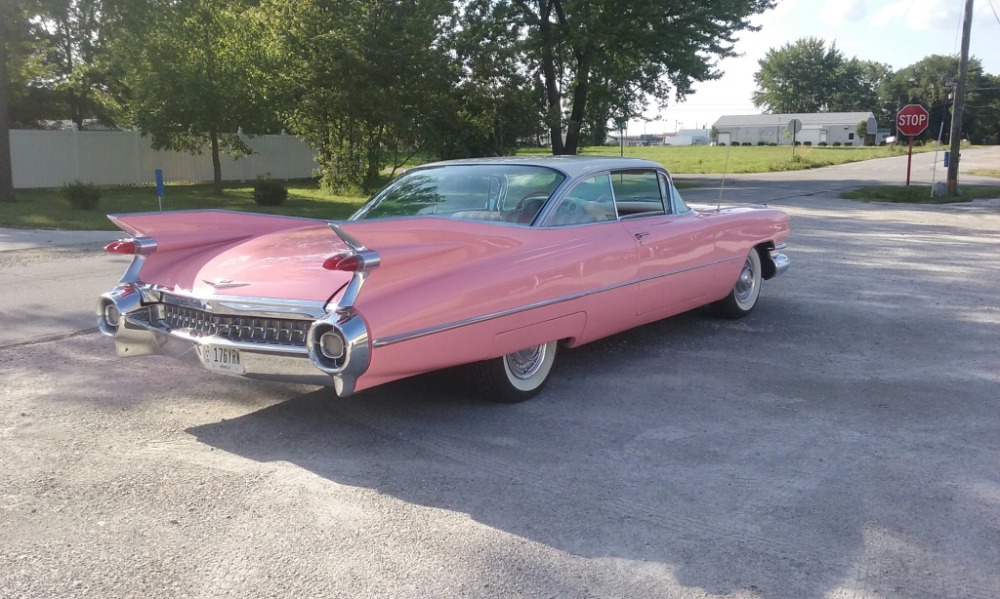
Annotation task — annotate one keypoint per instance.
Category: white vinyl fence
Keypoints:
(53, 158)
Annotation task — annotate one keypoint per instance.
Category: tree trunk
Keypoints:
(216, 164)
(554, 101)
(580, 90)
(6, 173)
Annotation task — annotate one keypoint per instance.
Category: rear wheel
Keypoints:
(517, 376)
(743, 296)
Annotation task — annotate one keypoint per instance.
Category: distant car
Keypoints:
(491, 262)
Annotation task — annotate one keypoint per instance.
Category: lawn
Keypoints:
(681, 160)
(919, 194)
(47, 209)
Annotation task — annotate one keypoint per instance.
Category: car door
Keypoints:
(675, 246)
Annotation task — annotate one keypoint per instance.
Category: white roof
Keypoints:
(810, 118)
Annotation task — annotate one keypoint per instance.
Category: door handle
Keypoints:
(639, 236)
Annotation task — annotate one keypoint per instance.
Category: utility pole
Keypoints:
(6, 176)
(959, 105)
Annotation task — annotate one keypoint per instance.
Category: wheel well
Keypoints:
(767, 268)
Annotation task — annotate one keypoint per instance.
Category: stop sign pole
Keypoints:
(911, 120)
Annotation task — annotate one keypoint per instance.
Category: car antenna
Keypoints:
(725, 171)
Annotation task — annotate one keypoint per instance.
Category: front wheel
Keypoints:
(517, 376)
(743, 296)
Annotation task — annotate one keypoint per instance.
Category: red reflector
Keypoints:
(347, 262)
(122, 246)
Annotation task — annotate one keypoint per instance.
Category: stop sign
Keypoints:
(912, 119)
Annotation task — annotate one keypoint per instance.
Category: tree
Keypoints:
(805, 76)
(497, 101)
(985, 112)
(624, 51)
(80, 81)
(930, 82)
(360, 80)
(196, 73)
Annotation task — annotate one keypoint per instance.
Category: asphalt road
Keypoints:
(842, 441)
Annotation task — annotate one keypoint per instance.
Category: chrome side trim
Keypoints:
(566, 298)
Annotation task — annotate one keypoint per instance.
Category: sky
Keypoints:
(896, 32)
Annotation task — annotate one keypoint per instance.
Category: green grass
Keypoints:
(48, 209)
(985, 172)
(918, 194)
(681, 160)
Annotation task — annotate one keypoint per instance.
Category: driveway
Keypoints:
(841, 441)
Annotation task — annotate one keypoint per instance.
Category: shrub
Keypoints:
(268, 192)
(746, 143)
(798, 143)
(762, 143)
(807, 143)
(722, 143)
(836, 144)
(823, 144)
(82, 196)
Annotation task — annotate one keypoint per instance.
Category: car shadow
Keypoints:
(664, 471)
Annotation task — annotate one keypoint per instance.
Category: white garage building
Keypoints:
(828, 127)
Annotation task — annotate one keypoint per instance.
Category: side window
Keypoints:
(638, 193)
(590, 201)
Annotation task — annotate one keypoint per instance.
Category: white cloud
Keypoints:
(919, 15)
(842, 12)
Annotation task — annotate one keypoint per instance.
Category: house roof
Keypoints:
(812, 118)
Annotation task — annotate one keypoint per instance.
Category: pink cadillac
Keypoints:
(496, 263)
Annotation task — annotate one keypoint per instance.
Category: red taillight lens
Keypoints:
(346, 262)
(122, 246)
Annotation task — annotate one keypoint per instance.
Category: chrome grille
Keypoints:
(274, 331)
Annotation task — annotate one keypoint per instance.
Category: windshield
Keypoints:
(498, 192)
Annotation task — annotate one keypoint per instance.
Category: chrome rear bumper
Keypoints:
(143, 321)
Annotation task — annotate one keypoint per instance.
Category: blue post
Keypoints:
(159, 188)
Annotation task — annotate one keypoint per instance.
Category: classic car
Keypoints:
(496, 264)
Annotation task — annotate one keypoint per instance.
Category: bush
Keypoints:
(761, 143)
(722, 143)
(822, 144)
(82, 196)
(836, 144)
(268, 192)
(798, 143)
(746, 143)
(807, 143)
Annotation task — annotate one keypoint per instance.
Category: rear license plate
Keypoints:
(221, 359)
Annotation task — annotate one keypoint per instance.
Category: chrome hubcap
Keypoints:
(745, 284)
(526, 363)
